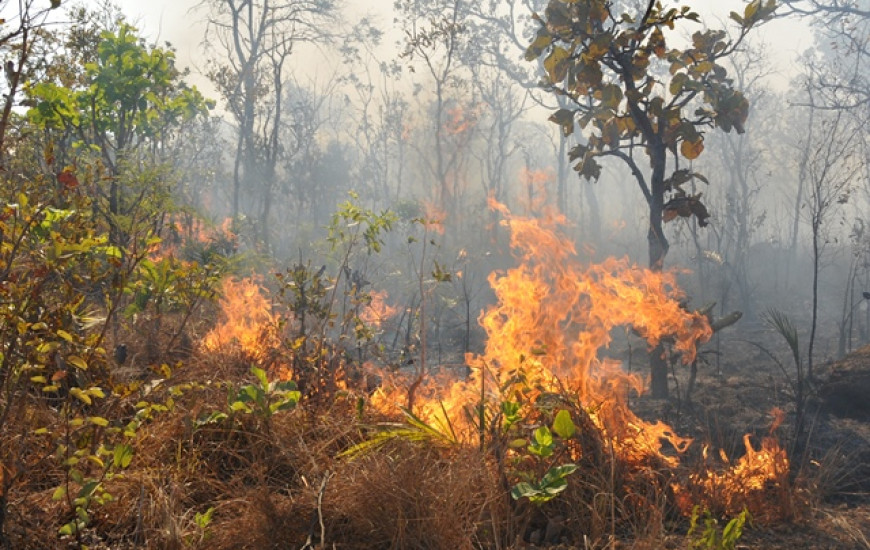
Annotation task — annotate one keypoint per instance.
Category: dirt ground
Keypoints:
(736, 390)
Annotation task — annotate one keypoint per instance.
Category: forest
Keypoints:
(493, 274)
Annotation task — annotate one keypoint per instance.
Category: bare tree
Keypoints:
(433, 38)
(831, 167)
(377, 112)
(257, 37)
(741, 158)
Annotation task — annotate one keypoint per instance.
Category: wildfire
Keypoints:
(757, 475)
(459, 120)
(433, 217)
(248, 320)
(553, 316)
(378, 310)
(178, 235)
(536, 184)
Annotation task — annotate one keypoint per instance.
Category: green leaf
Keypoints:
(88, 489)
(113, 252)
(517, 443)
(203, 520)
(543, 437)
(523, 489)
(122, 456)
(237, 406)
(543, 442)
(563, 426)
(260, 374)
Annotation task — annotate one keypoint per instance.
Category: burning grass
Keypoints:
(554, 316)
(537, 445)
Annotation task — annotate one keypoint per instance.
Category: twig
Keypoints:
(309, 543)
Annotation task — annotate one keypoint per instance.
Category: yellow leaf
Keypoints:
(80, 395)
(97, 392)
(556, 64)
(691, 150)
(77, 362)
(98, 420)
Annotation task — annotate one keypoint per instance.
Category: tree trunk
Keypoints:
(658, 249)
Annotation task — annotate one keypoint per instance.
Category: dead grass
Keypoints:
(408, 496)
(279, 483)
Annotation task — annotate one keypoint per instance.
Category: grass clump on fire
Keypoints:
(269, 433)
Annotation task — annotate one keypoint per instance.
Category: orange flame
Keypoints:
(460, 120)
(553, 316)
(378, 310)
(248, 320)
(536, 183)
(178, 234)
(433, 217)
(756, 476)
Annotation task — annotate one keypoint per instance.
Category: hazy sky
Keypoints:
(179, 22)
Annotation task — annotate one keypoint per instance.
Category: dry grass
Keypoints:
(412, 496)
(279, 483)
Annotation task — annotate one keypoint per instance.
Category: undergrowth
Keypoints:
(189, 447)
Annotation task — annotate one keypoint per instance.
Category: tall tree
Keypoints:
(126, 105)
(17, 37)
(257, 37)
(832, 170)
(434, 37)
(630, 93)
(741, 159)
(378, 112)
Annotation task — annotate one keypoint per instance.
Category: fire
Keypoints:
(536, 183)
(553, 317)
(178, 235)
(378, 310)
(433, 217)
(459, 120)
(248, 320)
(757, 475)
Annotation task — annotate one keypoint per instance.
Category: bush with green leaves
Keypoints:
(262, 399)
(542, 447)
(710, 537)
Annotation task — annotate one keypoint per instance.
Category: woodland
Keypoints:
(498, 274)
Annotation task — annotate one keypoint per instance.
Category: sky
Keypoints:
(181, 23)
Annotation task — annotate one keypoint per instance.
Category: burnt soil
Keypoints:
(830, 458)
